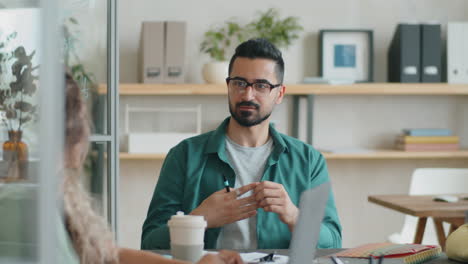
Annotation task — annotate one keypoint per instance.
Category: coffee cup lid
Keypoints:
(182, 220)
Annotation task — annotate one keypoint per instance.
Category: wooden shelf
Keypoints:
(378, 154)
(133, 156)
(299, 89)
(398, 154)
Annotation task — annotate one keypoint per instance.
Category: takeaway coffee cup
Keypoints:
(187, 232)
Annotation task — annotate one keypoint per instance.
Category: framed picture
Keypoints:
(346, 55)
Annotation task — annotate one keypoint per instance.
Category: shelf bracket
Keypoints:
(309, 117)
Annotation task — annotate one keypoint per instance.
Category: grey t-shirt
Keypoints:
(249, 165)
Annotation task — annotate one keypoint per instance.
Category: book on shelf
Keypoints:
(427, 132)
(432, 139)
(428, 147)
(392, 253)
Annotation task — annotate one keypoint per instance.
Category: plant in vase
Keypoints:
(15, 102)
(216, 44)
(86, 80)
(219, 44)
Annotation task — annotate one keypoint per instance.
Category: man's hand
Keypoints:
(272, 197)
(223, 207)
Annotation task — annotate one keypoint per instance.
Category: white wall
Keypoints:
(301, 58)
(364, 121)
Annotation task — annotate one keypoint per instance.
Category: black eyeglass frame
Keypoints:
(272, 86)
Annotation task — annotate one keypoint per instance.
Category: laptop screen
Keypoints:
(307, 230)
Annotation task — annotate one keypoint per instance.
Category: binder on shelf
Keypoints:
(404, 58)
(152, 52)
(457, 54)
(431, 53)
(174, 68)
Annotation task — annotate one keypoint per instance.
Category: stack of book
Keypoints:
(427, 139)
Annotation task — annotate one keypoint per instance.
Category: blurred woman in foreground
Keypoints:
(90, 238)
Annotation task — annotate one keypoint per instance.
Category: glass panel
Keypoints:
(85, 32)
(20, 57)
(27, 211)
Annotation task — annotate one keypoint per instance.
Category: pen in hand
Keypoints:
(226, 183)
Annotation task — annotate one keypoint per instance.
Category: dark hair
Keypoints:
(260, 48)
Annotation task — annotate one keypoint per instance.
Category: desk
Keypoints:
(423, 206)
(322, 252)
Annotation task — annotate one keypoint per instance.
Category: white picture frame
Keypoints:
(346, 55)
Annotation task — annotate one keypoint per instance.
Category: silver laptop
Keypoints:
(307, 230)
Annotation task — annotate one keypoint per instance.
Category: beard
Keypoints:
(248, 118)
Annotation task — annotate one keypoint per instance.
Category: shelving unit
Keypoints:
(299, 89)
(378, 154)
(309, 91)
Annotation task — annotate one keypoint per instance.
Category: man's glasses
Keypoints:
(239, 85)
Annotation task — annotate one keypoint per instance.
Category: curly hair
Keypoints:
(89, 232)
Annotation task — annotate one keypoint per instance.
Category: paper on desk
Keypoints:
(254, 257)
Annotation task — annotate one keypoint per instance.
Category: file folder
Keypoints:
(152, 52)
(174, 71)
(431, 53)
(404, 59)
(457, 54)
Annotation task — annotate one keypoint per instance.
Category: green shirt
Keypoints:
(193, 170)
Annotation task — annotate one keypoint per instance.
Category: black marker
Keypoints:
(226, 183)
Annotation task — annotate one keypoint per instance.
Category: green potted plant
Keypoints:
(280, 32)
(219, 43)
(16, 101)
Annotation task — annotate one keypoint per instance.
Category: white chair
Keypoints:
(426, 181)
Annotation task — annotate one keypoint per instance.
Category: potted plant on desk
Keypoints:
(219, 43)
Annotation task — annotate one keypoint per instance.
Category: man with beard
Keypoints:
(267, 171)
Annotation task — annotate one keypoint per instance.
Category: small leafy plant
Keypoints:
(16, 96)
(85, 79)
(218, 41)
(281, 32)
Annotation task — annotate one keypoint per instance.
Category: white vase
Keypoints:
(215, 72)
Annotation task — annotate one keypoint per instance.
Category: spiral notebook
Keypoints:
(392, 253)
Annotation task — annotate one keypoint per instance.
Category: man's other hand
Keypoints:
(223, 207)
(272, 197)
